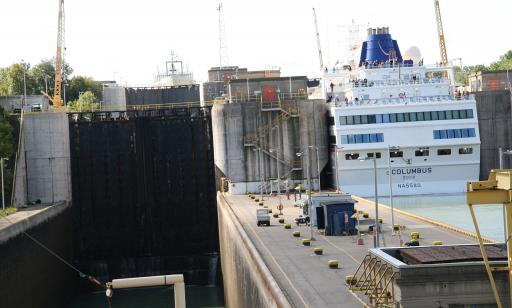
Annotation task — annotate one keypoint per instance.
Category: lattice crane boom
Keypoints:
(318, 41)
(56, 99)
(440, 33)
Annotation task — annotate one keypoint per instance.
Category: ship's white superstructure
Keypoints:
(407, 116)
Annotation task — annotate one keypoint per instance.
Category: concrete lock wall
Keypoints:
(247, 280)
(43, 165)
(444, 286)
(241, 162)
(495, 125)
(30, 277)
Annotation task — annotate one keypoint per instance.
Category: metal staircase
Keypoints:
(374, 280)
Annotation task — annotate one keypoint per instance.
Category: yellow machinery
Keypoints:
(56, 100)
(496, 190)
(440, 32)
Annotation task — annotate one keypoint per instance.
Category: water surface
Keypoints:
(453, 210)
(158, 297)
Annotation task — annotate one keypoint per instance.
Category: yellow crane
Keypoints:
(440, 33)
(56, 100)
(496, 190)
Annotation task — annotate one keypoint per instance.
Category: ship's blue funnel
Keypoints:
(380, 47)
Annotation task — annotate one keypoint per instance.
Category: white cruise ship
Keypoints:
(405, 114)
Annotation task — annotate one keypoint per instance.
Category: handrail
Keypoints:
(387, 83)
(285, 96)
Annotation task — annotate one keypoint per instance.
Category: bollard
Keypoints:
(415, 235)
(287, 226)
(437, 243)
(318, 251)
(306, 242)
(281, 220)
(333, 263)
(296, 233)
(350, 280)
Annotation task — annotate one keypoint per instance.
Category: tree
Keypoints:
(11, 80)
(80, 84)
(86, 102)
(505, 62)
(6, 137)
(44, 74)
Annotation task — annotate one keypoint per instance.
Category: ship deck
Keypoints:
(304, 277)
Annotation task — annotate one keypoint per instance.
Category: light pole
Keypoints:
(2, 171)
(261, 173)
(318, 169)
(24, 84)
(376, 230)
(46, 82)
(310, 204)
(391, 186)
(278, 175)
(336, 166)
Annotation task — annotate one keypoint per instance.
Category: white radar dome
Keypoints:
(413, 53)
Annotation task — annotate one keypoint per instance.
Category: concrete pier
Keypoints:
(43, 167)
(245, 162)
(304, 277)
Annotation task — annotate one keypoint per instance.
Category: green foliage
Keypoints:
(460, 76)
(86, 102)
(8, 211)
(505, 62)
(6, 137)
(80, 84)
(11, 78)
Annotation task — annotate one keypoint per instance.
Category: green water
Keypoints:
(453, 210)
(196, 297)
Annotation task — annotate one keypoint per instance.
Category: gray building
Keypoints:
(219, 77)
(489, 81)
(451, 276)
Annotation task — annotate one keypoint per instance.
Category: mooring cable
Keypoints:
(80, 273)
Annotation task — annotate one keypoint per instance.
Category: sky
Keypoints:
(127, 40)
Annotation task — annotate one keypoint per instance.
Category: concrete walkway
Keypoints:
(304, 277)
(27, 218)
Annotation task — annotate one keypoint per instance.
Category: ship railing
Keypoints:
(404, 100)
(386, 83)
(259, 97)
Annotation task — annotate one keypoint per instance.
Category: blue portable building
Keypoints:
(338, 218)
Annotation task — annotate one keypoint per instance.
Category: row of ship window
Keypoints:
(379, 137)
(454, 133)
(406, 117)
(417, 153)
